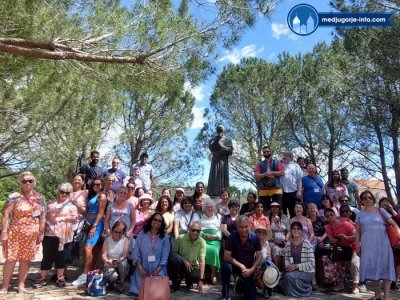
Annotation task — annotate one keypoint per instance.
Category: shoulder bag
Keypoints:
(392, 234)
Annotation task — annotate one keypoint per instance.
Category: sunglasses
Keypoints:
(64, 193)
(97, 184)
(342, 201)
(30, 181)
(195, 230)
(118, 232)
(157, 220)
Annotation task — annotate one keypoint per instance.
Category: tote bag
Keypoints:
(155, 288)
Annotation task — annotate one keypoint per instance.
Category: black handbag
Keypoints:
(341, 253)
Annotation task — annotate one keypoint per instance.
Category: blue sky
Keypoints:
(266, 40)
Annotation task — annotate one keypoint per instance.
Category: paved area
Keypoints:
(70, 292)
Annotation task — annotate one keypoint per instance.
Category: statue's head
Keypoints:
(220, 128)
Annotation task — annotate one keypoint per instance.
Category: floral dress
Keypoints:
(279, 228)
(24, 226)
(60, 222)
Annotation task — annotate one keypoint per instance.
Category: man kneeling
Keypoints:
(188, 259)
(242, 255)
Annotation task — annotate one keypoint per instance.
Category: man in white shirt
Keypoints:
(146, 171)
(291, 184)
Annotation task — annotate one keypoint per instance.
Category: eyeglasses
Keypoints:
(118, 232)
(157, 220)
(64, 193)
(30, 181)
(195, 230)
(297, 228)
(97, 184)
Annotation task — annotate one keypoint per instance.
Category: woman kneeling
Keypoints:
(299, 264)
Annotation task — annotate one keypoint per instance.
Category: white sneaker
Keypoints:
(81, 280)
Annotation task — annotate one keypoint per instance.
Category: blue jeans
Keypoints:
(249, 284)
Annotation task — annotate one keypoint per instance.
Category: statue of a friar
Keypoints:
(221, 147)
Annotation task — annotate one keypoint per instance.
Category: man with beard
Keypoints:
(92, 170)
(352, 188)
(267, 174)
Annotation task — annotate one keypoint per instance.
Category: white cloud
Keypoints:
(234, 56)
(271, 56)
(282, 29)
(198, 117)
(197, 91)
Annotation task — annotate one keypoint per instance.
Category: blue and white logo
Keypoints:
(303, 19)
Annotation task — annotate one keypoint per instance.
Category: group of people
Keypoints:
(285, 237)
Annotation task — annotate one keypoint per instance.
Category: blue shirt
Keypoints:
(313, 190)
(119, 178)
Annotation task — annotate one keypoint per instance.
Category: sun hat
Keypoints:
(274, 204)
(268, 231)
(180, 190)
(145, 196)
(271, 276)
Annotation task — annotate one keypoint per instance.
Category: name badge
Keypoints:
(316, 190)
(151, 258)
(36, 213)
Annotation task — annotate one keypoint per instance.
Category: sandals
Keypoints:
(22, 291)
(61, 281)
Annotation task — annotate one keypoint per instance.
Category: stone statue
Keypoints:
(220, 147)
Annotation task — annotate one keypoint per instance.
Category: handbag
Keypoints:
(341, 253)
(86, 226)
(155, 288)
(392, 234)
(329, 270)
(95, 284)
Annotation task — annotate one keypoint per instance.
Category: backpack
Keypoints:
(267, 182)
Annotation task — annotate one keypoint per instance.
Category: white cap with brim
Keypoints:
(146, 196)
(271, 276)
(268, 231)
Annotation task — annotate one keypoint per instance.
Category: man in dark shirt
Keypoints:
(242, 255)
(92, 170)
(119, 175)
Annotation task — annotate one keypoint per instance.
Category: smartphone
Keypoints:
(114, 261)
